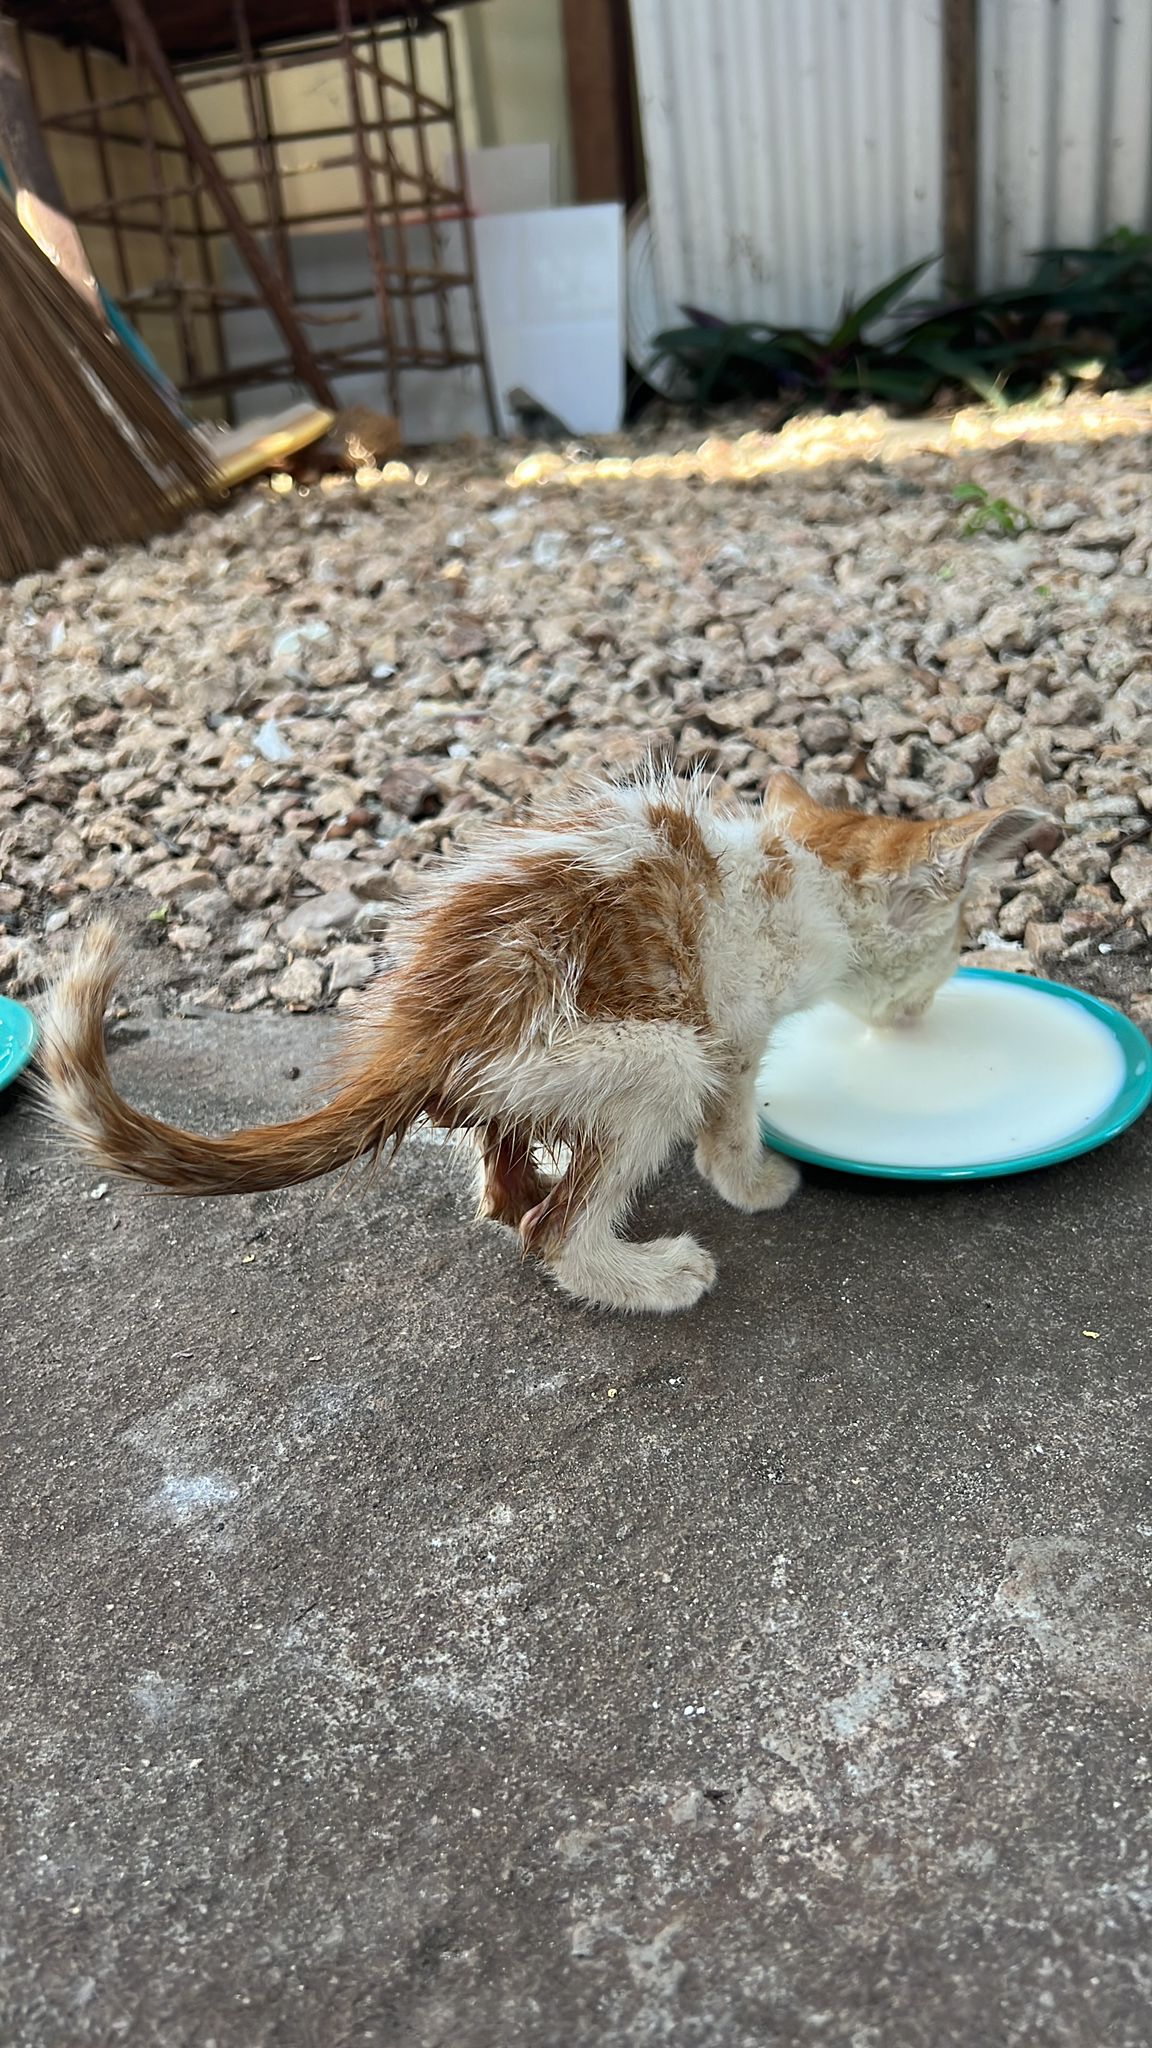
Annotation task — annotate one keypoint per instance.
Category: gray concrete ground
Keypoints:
(396, 1653)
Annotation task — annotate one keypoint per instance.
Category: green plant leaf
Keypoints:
(857, 318)
(954, 366)
(1078, 303)
(905, 386)
(797, 343)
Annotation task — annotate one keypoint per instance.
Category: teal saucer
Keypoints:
(1130, 1100)
(17, 1039)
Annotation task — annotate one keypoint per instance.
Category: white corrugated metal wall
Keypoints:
(792, 148)
(1065, 126)
(795, 147)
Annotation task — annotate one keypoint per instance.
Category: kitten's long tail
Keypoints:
(81, 1096)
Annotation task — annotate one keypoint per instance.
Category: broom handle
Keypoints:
(40, 204)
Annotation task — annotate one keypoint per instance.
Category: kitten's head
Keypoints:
(904, 888)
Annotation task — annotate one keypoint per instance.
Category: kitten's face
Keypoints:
(897, 967)
(904, 886)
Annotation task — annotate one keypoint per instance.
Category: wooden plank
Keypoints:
(961, 144)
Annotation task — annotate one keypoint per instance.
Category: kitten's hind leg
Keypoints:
(513, 1186)
(663, 1078)
(598, 1266)
(732, 1154)
(575, 1230)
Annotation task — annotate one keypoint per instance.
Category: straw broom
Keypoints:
(90, 453)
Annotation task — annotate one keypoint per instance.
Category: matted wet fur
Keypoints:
(580, 993)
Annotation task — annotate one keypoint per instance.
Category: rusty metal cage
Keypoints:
(204, 204)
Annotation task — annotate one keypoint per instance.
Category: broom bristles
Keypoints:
(90, 453)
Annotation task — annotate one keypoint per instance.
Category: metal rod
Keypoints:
(398, 196)
(78, 123)
(399, 226)
(135, 21)
(307, 54)
(346, 364)
(215, 303)
(256, 94)
(273, 372)
(187, 331)
(94, 215)
(123, 268)
(442, 314)
(106, 103)
(470, 248)
(165, 292)
(109, 209)
(371, 222)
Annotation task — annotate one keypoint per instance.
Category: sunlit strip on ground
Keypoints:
(816, 441)
(813, 441)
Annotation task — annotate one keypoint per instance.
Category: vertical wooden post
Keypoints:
(961, 144)
(596, 52)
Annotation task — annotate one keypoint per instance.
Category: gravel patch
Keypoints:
(251, 736)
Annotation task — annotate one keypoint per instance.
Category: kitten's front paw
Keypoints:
(752, 1181)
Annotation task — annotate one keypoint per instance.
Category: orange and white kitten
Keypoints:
(590, 988)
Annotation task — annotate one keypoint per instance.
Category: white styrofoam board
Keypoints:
(552, 293)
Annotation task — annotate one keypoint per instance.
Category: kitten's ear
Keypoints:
(783, 787)
(963, 847)
(960, 848)
(784, 791)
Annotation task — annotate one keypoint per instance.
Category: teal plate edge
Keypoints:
(1131, 1100)
(17, 1039)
